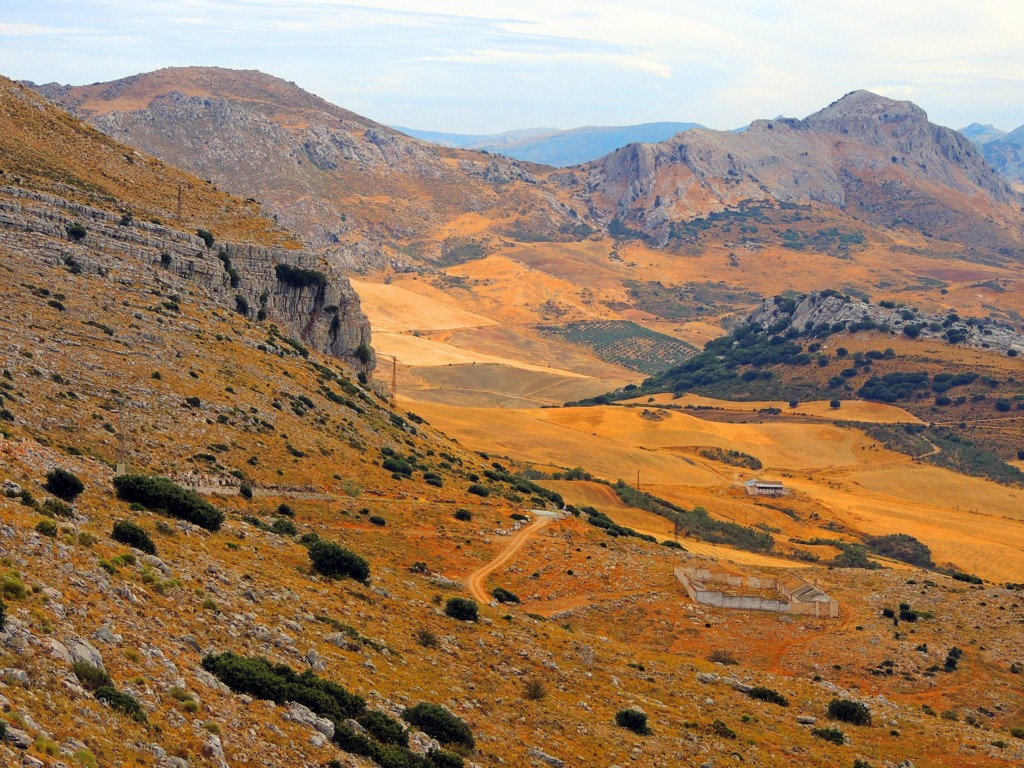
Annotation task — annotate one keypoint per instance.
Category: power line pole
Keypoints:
(179, 203)
(394, 379)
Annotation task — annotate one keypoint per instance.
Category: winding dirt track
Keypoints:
(475, 580)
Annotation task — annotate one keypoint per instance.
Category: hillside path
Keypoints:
(475, 580)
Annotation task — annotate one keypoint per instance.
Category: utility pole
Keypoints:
(638, 478)
(179, 203)
(394, 379)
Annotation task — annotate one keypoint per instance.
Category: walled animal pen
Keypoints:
(755, 593)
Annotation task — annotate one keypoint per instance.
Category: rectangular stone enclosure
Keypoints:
(789, 595)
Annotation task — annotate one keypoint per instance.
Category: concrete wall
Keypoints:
(805, 599)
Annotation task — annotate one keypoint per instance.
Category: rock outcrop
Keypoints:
(834, 310)
(324, 312)
(872, 157)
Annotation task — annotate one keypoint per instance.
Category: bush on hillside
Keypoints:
(502, 595)
(633, 720)
(127, 532)
(463, 514)
(279, 683)
(63, 484)
(438, 723)
(849, 711)
(333, 560)
(122, 702)
(461, 608)
(161, 495)
(768, 694)
(902, 547)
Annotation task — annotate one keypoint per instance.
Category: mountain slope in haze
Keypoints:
(982, 134)
(333, 177)
(1004, 151)
(873, 158)
(550, 146)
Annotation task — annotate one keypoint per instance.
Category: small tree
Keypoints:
(206, 236)
(834, 403)
(63, 484)
(461, 608)
(849, 711)
(76, 231)
(437, 722)
(632, 719)
(127, 532)
(335, 561)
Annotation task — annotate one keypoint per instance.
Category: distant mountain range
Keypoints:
(376, 197)
(551, 146)
(1004, 151)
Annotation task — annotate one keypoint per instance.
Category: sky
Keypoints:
(477, 66)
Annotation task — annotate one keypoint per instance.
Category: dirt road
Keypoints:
(475, 581)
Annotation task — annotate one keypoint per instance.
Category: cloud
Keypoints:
(36, 30)
(536, 62)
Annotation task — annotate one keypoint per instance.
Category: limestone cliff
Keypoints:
(324, 312)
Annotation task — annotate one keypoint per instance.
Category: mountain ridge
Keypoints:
(555, 147)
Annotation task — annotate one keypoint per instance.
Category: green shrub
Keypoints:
(461, 608)
(206, 236)
(283, 527)
(849, 711)
(76, 231)
(378, 520)
(333, 560)
(768, 694)
(3, 614)
(122, 702)
(285, 511)
(161, 495)
(279, 683)
(438, 723)
(479, 490)
(722, 730)
(463, 514)
(91, 678)
(502, 595)
(47, 528)
(833, 735)
(384, 728)
(63, 484)
(56, 508)
(127, 532)
(633, 720)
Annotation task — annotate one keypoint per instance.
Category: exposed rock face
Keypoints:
(335, 178)
(326, 314)
(830, 309)
(876, 158)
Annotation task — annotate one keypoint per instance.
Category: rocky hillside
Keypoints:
(220, 548)
(828, 310)
(84, 202)
(873, 158)
(337, 179)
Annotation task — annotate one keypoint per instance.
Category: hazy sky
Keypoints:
(482, 67)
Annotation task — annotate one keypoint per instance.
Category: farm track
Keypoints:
(476, 580)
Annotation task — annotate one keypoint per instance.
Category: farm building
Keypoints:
(765, 488)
